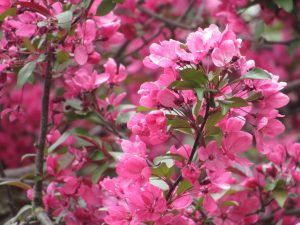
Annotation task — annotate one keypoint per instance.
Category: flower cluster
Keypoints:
(146, 118)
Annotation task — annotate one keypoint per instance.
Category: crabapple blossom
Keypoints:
(150, 113)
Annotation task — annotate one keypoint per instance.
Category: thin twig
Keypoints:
(143, 45)
(288, 42)
(198, 139)
(19, 172)
(189, 8)
(168, 22)
(292, 86)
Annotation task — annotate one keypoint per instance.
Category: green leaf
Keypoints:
(230, 203)
(178, 122)
(259, 29)
(97, 155)
(197, 107)
(279, 191)
(184, 186)
(99, 171)
(236, 102)
(28, 155)
(62, 56)
(159, 183)
(22, 211)
(199, 92)
(105, 7)
(254, 96)
(164, 159)
(143, 109)
(183, 85)
(280, 196)
(9, 12)
(59, 141)
(257, 73)
(198, 204)
(163, 170)
(29, 45)
(25, 73)
(214, 118)
(65, 19)
(287, 5)
(18, 184)
(194, 76)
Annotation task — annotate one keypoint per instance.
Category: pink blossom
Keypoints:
(235, 141)
(149, 92)
(5, 5)
(134, 147)
(201, 41)
(151, 128)
(134, 167)
(163, 55)
(87, 79)
(276, 154)
(167, 98)
(25, 24)
(116, 75)
(147, 202)
(223, 54)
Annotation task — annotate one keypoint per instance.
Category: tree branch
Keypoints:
(168, 22)
(19, 172)
(37, 202)
(189, 8)
(292, 86)
(197, 142)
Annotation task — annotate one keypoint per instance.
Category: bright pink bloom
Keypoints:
(276, 154)
(87, 79)
(25, 24)
(163, 55)
(223, 54)
(116, 75)
(149, 92)
(134, 147)
(167, 98)
(151, 128)
(294, 151)
(134, 167)
(235, 141)
(5, 5)
(201, 41)
(147, 202)
(182, 202)
(184, 152)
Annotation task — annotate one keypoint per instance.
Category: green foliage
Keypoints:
(287, 5)
(257, 73)
(65, 19)
(194, 76)
(99, 171)
(279, 191)
(183, 186)
(9, 12)
(106, 7)
(18, 184)
(214, 118)
(162, 170)
(25, 73)
(59, 141)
